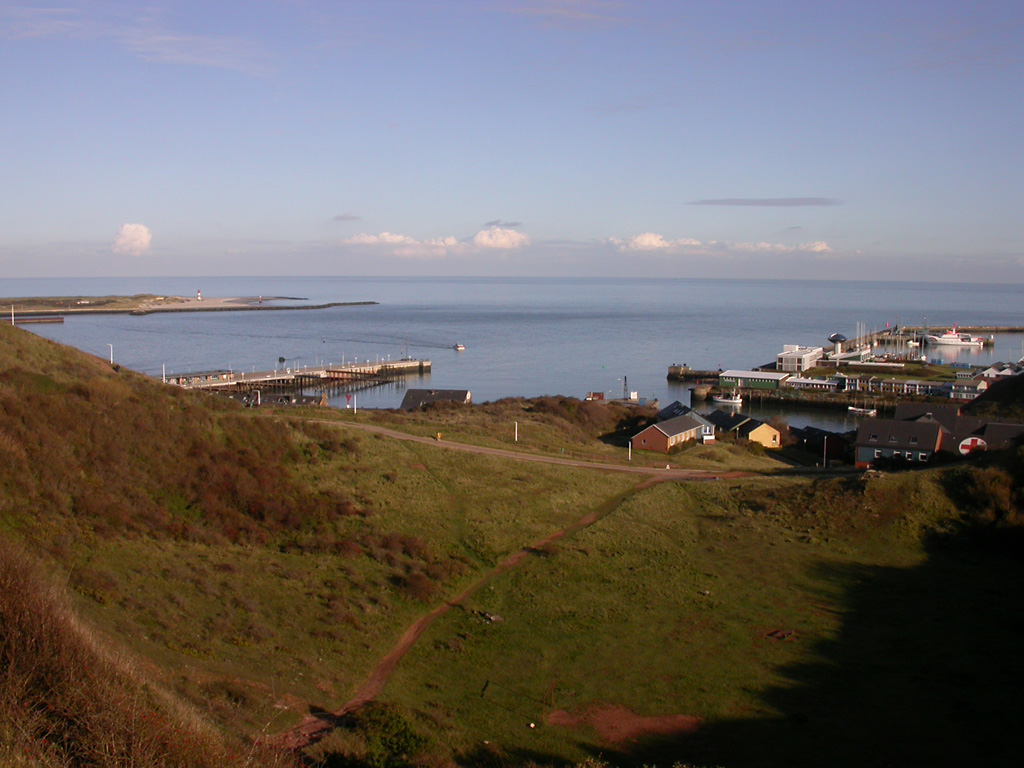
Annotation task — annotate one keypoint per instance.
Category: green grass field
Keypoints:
(666, 606)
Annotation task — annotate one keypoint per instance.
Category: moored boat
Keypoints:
(862, 411)
(954, 338)
(734, 399)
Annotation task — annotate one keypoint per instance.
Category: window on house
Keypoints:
(873, 438)
(892, 438)
(878, 454)
(913, 440)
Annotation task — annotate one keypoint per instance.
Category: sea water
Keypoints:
(523, 337)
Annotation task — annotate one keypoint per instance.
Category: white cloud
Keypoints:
(494, 238)
(818, 246)
(132, 240)
(408, 247)
(498, 237)
(649, 241)
(384, 238)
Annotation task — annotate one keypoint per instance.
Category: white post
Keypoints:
(630, 453)
(517, 431)
(111, 353)
(163, 376)
(355, 404)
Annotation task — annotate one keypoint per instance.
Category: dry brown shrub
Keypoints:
(349, 548)
(419, 587)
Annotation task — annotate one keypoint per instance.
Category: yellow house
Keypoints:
(758, 432)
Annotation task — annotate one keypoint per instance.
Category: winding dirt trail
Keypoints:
(668, 473)
(315, 727)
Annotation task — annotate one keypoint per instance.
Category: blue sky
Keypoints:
(848, 140)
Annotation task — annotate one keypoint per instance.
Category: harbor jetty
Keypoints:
(290, 379)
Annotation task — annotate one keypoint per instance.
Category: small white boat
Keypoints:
(459, 348)
(733, 399)
(862, 411)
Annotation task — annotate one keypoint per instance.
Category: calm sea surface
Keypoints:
(523, 337)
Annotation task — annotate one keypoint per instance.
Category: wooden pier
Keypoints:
(318, 377)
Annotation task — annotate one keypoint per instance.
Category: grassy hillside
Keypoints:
(259, 565)
(67, 698)
(1004, 401)
(179, 577)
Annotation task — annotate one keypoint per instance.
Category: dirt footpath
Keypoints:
(615, 724)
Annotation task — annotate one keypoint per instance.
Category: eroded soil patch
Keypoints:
(616, 725)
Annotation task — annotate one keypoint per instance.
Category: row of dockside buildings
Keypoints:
(878, 379)
(917, 431)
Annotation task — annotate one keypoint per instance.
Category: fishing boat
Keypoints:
(733, 399)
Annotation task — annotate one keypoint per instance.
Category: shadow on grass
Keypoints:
(927, 669)
(484, 757)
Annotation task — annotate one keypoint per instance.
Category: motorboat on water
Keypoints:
(862, 411)
(459, 348)
(733, 399)
(955, 338)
